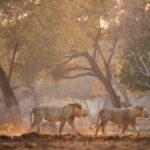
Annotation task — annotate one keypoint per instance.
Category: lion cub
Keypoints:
(6, 128)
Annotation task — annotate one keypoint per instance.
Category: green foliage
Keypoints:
(133, 82)
(133, 74)
(134, 59)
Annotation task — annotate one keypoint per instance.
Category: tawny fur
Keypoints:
(66, 113)
(121, 116)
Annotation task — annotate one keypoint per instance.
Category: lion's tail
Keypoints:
(98, 118)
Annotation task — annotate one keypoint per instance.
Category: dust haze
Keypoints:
(94, 53)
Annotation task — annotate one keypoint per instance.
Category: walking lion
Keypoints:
(121, 116)
(66, 113)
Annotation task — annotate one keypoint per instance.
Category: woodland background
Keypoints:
(54, 51)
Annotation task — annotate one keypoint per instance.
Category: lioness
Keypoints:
(5, 128)
(123, 117)
(66, 113)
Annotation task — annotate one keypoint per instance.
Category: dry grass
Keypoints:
(49, 140)
(36, 141)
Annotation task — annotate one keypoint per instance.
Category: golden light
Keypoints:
(103, 23)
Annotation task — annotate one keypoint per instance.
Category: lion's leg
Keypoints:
(124, 128)
(62, 123)
(39, 126)
(35, 122)
(103, 127)
(133, 125)
(71, 123)
(97, 129)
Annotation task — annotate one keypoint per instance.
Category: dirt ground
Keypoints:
(36, 141)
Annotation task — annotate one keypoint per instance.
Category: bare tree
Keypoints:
(93, 69)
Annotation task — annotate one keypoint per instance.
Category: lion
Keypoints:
(66, 113)
(6, 128)
(121, 116)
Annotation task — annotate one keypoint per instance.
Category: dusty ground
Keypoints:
(36, 141)
(49, 140)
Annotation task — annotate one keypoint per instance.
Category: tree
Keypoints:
(135, 69)
(11, 15)
(8, 94)
(80, 33)
(15, 37)
(10, 99)
(18, 18)
(97, 58)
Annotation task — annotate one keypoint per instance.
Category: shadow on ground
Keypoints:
(36, 141)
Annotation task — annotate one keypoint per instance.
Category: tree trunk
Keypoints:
(34, 95)
(127, 102)
(115, 99)
(123, 91)
(7, 92)
(10, 99)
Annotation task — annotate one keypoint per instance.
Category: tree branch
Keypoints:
(14, 50)
(79, 68)
(70, 58)
(17, 86)
(95, 68)
(96, 42)
(138, 71)
(79, 75)
(144, 84)
(112, 50)
(12, 61)
(108, 73)
(102, 56)
(133, 55)
(142, 62)
(37, 17)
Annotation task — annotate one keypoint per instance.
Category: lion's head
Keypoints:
(142, 112)
(78, 110)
